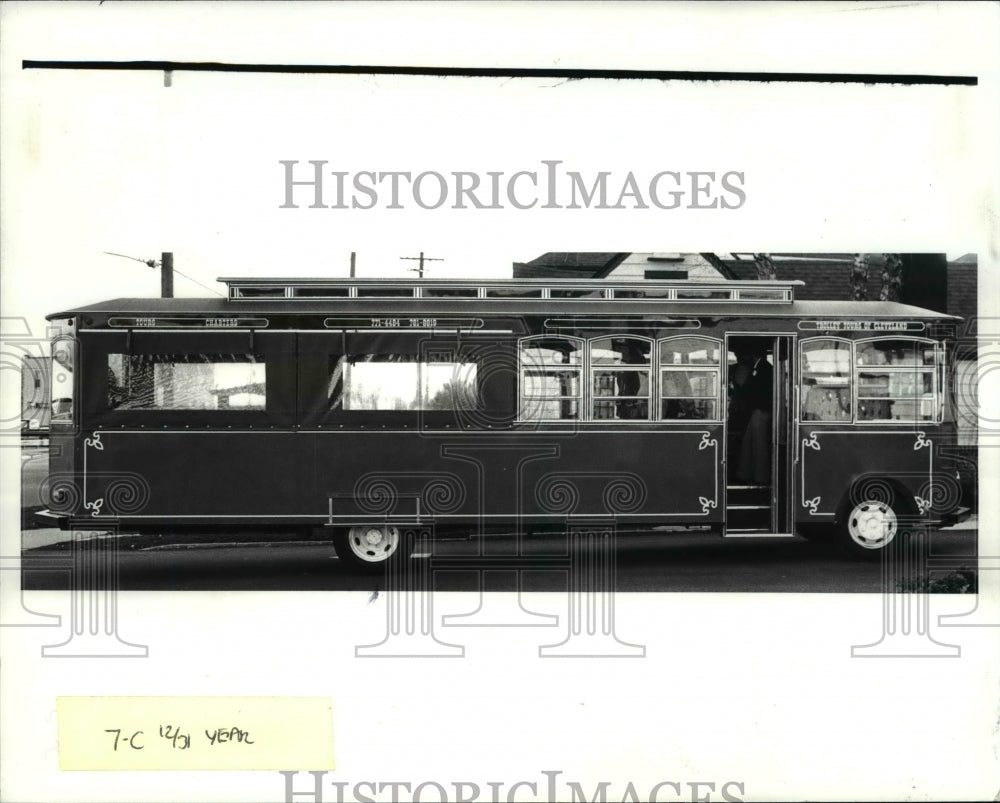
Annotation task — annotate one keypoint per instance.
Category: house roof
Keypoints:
(571, 264)
(823, 278)
(826, 276)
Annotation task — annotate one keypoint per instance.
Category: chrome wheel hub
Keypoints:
(872, 525)
(373, 544)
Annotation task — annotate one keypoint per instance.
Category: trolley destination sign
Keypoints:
(401, 322)
(861, 326)
(150, 322)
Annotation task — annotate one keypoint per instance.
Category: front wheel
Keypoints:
(871, 526)
(372, 546)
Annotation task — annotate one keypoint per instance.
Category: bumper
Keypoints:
(957, 516)
(49, 519)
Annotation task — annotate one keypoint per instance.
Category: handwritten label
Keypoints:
(194, 733)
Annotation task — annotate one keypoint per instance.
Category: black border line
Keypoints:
(509, 72)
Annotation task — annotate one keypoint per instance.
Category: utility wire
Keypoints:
(154, 263)
(197, 282)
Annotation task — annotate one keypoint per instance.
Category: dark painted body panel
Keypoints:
(835, 458)
(664, 475)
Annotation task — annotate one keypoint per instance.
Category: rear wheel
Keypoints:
(371, 546)
(874, 524)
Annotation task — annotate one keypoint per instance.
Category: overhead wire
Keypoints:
(153, 263)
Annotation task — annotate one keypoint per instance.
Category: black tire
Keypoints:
(876, 517)
(370, 547)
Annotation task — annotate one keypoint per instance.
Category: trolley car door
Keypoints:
(759, 415)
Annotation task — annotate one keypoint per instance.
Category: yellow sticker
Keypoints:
(195, 733)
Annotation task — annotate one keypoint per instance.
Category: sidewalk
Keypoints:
(47, 536)
(972, 523)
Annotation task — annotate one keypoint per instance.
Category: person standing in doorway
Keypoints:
(755, 451)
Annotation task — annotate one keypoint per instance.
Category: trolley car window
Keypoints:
(826, 380)
(762, 295)
(551, 369)
(449, 292)
(576, 292)
(653, 292)
(186, 382)
(690, 370)
(686, 293)
(513, 292)
(896, 380)
(385, 292)
(259, 292)
(63, 360)
(321, 292)
(620, 370)
(402, 382)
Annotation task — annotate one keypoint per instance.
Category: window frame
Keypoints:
(591, 370)
(420, 384)
(494, 389)
(851, 380)
(661, 366)
(66, 419)
(581, 368)
(933, 370)
(276, 351)
(153, 360)
(654, 396)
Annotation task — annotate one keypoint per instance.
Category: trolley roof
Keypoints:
(722, 298)
(537, 289)
(495, 307)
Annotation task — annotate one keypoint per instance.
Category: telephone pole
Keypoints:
(167, 274)
(421, 259)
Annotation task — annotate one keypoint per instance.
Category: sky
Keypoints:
(118, 162)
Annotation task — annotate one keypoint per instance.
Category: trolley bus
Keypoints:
(367, 408)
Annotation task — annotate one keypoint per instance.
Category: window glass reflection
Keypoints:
(186, 382)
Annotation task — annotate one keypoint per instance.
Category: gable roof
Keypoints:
(570, 264)
(824, 276)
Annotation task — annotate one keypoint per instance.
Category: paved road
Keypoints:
(645, 562)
